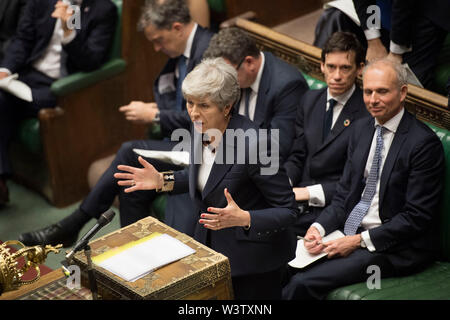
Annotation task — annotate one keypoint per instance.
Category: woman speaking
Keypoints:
(244, 213)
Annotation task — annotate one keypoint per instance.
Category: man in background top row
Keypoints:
(45, 49)
(410, 31)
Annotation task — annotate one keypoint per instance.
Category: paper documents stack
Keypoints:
(16, 87)
(304, 258)
(180, 158)
(138, 258)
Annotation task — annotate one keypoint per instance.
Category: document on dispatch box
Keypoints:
(304, 258)
(15, 87)
(136, 259)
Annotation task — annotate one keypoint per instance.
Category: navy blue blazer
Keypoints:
(166, 100)
(269, 244)
(410, 190)
(312, 160)
(280, 91)
(10, 13)
(86, 52)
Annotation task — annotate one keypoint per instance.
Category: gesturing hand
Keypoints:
(146, 178)
(139, 111)
(230, 216)
(63, 11)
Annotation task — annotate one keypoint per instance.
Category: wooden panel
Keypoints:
(425, 104)
(272, 13)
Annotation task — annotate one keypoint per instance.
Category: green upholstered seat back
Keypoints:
(444, 211)
(116, 48)
(442, 71)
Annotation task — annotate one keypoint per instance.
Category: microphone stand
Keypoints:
(91, 273)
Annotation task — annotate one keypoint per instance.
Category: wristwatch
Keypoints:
(157, 118)
(362, 243)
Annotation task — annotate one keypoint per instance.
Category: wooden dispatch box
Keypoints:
(203, 275)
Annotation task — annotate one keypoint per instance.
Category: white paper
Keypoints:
(346, 6)
(141, 259)
(412, 79)
(16, 87)
(304, 258)
(166, 83)
(179, 158)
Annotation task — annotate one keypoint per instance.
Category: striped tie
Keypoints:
(360, 210)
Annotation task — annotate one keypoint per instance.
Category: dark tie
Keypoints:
(181, 75)
(360, 210)
(328, 121)
(247, 91)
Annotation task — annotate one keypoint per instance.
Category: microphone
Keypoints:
(104, 219)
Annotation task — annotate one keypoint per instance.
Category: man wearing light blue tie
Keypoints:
(386, 199)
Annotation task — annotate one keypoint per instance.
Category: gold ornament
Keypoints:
(10, 276)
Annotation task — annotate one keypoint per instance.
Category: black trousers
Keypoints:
(135, 205)
(13, 110)
(426, 43)
(262, 286)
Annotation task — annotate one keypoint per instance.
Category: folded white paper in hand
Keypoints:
(18, 88)
(179, 158)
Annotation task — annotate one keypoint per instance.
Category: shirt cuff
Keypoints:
(69, 38)
(319, 227)
(5, 70)
(398, 49)
(366, 237)
(372, 34)
(316, 196)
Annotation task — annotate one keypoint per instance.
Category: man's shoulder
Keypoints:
(281, 71)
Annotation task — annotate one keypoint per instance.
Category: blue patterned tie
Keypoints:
(328, 121)
(360, 210)
(181, 75)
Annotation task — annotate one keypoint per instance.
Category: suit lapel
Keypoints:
(264, 87)
(365, 141)
(317, 117)
(344, 120)
(397, 142)
(221, 166)
(3, 8)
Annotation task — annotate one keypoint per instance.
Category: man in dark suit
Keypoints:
(45, 48)
(324, 121)
(410, 31)
(271, 92)
(10, 13)
(168, 25)
(387, 199)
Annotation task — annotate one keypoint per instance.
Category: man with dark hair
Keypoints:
(45, 48)
(387, 199)
(184, 42)
(324, 121)
(271, 90)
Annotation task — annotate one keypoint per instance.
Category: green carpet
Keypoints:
(27, 211)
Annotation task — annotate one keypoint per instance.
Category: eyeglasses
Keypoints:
(240, 63)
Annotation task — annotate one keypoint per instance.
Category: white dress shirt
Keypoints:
(316, 194)
(372, 218)
(254, 93)
(204, 170)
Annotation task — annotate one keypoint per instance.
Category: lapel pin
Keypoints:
(347, 123)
